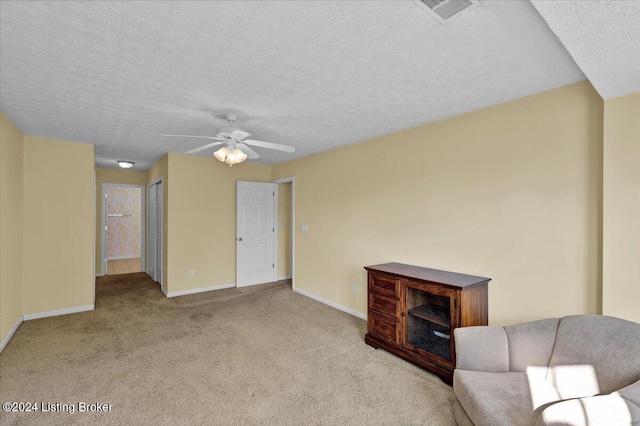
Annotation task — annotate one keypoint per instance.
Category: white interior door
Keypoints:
(152, 229)
(255, 233)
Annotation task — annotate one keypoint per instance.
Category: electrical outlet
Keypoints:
(353, 289)
(191, 272)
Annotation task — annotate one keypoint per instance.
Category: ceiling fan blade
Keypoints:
(203, 147)
(191, 136)
(239, 134)
(270, 145)
(250, 153)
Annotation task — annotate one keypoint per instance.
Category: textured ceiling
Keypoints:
(603, 37)
(315, 75)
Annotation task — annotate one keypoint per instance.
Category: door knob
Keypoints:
(240, 239)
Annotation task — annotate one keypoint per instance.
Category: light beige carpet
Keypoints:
(261, 355)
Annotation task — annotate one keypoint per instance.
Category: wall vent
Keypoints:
(445, 10)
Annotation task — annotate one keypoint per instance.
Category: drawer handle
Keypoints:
(383, 285)
(384, 327)
(384, 305)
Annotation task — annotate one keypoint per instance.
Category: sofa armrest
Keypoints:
(593, 410)
(481, 348)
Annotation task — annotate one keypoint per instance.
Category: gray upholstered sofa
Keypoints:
(576, 370)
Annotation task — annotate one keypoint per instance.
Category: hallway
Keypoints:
(123, 266)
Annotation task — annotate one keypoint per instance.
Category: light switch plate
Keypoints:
(305, 227)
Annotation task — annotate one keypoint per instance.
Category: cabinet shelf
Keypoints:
(429, 314)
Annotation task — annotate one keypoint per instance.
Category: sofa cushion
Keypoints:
(601, 410)
(594, 354)
(496, 398)
(481, 348)
(531, 344)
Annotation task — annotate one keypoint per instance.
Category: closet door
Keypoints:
(159, 232)
(152, 231)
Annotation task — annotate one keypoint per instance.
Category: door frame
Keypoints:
(161, 224)
(103, 231)
(292, 224)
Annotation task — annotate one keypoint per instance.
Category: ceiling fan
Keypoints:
(236, 147)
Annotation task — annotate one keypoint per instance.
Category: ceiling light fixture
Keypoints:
(230, 155)
(125, 164)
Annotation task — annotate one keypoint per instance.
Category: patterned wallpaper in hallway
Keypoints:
(124, 233)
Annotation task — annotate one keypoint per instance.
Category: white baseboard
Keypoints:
(11, 332)
(330, 303)
(163, 291)
(286, 277)
(27, 317)
(100, 275)
(55, 313)
(198, 290)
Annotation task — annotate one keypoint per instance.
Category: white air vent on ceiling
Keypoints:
(444, 10)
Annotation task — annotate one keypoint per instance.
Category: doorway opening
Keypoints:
(286, 228)
(123, 225)
(283, 226)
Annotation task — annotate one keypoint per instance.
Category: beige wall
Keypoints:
(11, 161)
(284, 231)
(160, 170)
(621, 234)
(512, 192)
(58, 232)
(129, 177)
(202, 219)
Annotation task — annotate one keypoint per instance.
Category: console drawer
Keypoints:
(383, 304)
(383, 327)
(383, 285)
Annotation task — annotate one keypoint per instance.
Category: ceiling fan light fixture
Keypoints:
(231, 159)
(125, 164)
(234, 157)
(221, 154)
(237, 148)
(240, 156)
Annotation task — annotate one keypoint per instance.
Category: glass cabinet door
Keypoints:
(428, 320)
